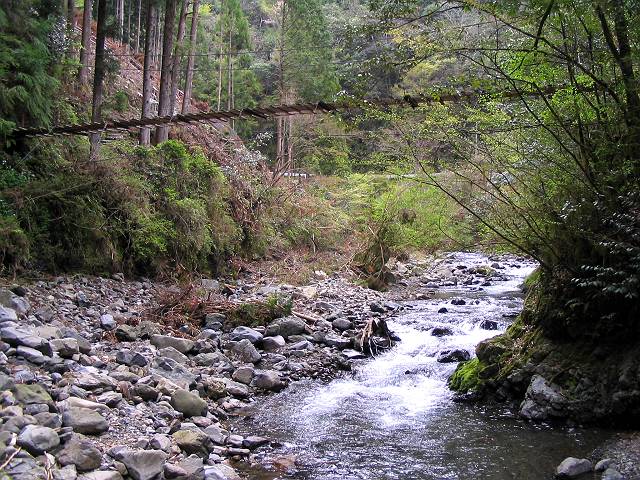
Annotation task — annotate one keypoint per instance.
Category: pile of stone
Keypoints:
(90, 391)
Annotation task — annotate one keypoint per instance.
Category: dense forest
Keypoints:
(510, 128)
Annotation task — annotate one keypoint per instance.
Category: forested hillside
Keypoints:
(285, 188)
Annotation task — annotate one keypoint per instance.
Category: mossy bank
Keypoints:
(550, 366)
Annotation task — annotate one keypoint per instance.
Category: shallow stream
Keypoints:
(394, 417)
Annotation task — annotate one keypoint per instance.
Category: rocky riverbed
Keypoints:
(96, 389)
(92, 389)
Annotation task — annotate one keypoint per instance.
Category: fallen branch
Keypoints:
(305, 316)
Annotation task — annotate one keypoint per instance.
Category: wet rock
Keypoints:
(187, 403)
(612, 474)
(183, 345)
(216, 434)
(450, 356)
(246, 333)
(246, 352)
(220, 472)
(267, 380)
(143, 464)
(192, 441)
(489, 325)
(84, 420)
(603, 464)
(542, 400)
(443, 310)
(458, 301)
(254, 441)
(353, 354)
(37, 440)
(273, 344)
(81, 452)
(130, 358)
(441, 331)
(573, 467)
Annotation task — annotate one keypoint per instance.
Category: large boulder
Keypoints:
(85, 420)
(187, 403)
(143, 464)
(543, 400)
(183, 345)
(37, 440)
(573, 467)
(81, 452)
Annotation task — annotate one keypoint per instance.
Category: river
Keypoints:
(394, 418)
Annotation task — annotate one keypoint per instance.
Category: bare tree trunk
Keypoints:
(164, 101)
(147, 82)
(98, 75)
(137, 50)
(188, 82)
(129, 27)
(120, 17)
(229, 72)
(85, 50)
(220, 60)
(71, 26)
(177, 53)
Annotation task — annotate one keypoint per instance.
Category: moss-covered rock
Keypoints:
(466, 377)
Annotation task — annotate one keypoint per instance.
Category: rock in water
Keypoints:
(37, 440)
(450, 356)
(542, 400)
(267, 380)
(84, 420)
(612, 474)
(187, 403)
(573, 467)
(143, 464)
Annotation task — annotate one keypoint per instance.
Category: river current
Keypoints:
(394, 417)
